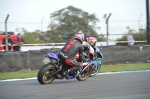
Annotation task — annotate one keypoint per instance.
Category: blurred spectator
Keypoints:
(9, 42)
(87, 35)
(130, 38)
(18, 42)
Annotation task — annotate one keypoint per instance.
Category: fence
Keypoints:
(117, 27)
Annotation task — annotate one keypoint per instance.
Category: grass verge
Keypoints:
(104, 68)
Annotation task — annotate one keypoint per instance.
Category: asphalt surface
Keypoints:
(106, 86)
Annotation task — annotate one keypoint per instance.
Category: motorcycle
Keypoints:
(54, 68)
(96, 64)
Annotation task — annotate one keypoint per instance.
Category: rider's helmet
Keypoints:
(92, 41)
(79, 35)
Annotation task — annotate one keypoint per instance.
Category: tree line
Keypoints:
(64, 23)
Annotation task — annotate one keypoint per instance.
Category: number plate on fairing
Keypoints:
(46, 60)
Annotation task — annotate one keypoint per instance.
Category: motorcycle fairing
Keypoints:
(53, 55)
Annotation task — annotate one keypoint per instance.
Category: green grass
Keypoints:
(18, 75)
(104, 68)
(125, 67)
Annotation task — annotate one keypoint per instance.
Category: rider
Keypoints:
(68, 52)
(91, 42)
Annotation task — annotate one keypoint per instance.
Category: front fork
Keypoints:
(95, 67)
(86, 67)
(95, 64)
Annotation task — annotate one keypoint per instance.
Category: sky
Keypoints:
(34, 14)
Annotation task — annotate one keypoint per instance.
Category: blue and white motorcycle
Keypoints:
(96, 64)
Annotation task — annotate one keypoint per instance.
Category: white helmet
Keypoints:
(79, 35)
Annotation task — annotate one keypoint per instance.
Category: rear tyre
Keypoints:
(44, 76)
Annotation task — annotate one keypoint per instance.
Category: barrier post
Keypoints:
(6, 35)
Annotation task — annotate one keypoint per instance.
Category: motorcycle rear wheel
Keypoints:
(44, 76)
(83, 76)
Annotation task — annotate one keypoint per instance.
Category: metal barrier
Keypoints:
(44, 44)
(53, 44)
(127, 41)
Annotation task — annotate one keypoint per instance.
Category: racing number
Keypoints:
(68, 46)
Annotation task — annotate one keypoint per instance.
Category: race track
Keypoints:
(135, 85)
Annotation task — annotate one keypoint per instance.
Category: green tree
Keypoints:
(32, 38)
(53, 35)
(67, 21)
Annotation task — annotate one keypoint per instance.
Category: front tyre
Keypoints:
(44, 76)
(85, 74)
(94, 72)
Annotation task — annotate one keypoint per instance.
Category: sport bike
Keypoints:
(96, 64)
(54, 68)
(90, 53)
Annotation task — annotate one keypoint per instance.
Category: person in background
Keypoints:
(9, 42)
(18, 42)
(86, 35)
(130, 39)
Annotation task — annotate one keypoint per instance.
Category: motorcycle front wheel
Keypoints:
(85, 74)
(94, 72)
(44, 76)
